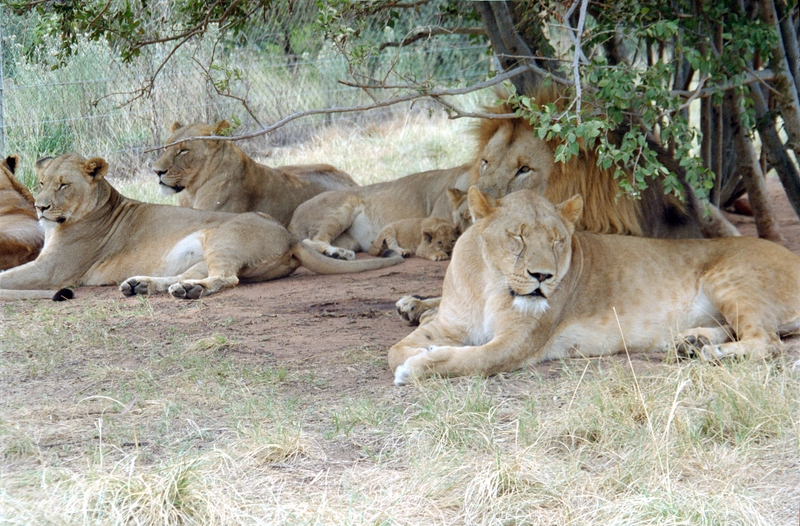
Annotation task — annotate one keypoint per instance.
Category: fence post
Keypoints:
(2, 98)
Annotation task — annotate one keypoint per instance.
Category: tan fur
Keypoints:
(21, 237)
(340, 223)
(95, 236)
(523, 286)
(215, 175)
(430, 238)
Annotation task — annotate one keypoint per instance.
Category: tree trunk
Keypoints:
(510, 49)
(753, 179)
(773, 146)
(784, 82)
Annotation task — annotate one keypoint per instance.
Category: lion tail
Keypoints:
(55, 295)
(316, 262)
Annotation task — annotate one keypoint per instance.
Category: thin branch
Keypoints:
(576, 35)
(430, 31)
(430, 94)
(459, 113)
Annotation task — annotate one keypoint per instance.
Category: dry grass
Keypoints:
(109, 415)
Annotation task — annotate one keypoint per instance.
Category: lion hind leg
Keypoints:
(333, 224)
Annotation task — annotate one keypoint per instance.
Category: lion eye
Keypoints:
(182, 151)
(523, 170)
(62, 186)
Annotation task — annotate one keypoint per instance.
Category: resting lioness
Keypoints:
(342, 222)
(95, 236)
(430, 238)
(21, 237)
(213, 174)
(523, 286)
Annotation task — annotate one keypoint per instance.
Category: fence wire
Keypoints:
(95, 105)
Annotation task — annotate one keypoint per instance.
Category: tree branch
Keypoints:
(432, 94)
(430, 31)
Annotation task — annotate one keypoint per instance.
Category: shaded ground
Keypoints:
(338, 328)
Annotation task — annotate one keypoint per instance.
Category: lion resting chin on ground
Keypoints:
(213, 174)
(95, 236)
(523, 286)
(21, 237)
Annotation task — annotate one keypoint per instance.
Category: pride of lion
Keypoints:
(528, 281)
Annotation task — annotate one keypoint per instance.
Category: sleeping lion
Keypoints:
(524, 286)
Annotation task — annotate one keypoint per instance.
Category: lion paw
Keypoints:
(401, 375)
(340, 253)
(187, 291)
(133, 287)
(691, 346)
(411, 308)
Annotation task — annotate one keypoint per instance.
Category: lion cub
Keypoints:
(430, 238)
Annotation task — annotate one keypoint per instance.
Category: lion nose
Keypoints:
(160, 172)
(42, 208)
(539, 276)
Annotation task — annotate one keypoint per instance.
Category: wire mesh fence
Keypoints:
(94, 104)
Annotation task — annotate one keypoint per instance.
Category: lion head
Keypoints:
(528, 241)
(70, 187)
(438, 237)
(180, 163)
(511, 157)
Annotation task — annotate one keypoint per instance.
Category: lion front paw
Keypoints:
(340, 253)
(186, 291)
(133, 287)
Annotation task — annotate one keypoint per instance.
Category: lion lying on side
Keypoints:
(95, 236)
(524, 286)
(21, 237)
(430, 238)
(342, 222)
(213, 174)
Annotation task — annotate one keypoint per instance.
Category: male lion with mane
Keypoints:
(96, 236)
(524, 286)
(21, 237)
(213, 174)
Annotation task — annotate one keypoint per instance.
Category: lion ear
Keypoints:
(480, 204)
(96, 168)
(42, 164)
(11, 162)
(456, 196)
(571, 209)
(223, 128)
(427, 235)
(175, 127)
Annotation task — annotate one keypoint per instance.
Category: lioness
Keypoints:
(341, 222)
(95, 236)
(430, 238)
(21, 237)
(212, 174)
(523, 286)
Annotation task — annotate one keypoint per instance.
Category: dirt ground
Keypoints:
(312, 323)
